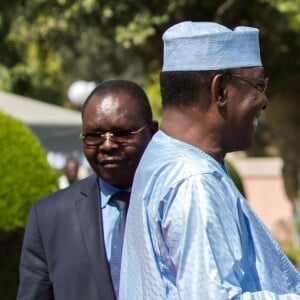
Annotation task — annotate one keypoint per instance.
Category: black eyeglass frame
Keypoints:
(261, 85)
(118, 136)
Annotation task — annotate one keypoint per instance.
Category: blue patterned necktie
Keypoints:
(121, 201)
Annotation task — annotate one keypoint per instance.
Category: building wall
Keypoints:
(264, 189)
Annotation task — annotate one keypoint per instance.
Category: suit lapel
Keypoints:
(90, 221)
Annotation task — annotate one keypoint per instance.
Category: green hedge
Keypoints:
(24, 172)
(25, 177)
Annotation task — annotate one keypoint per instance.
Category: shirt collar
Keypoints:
(107, 190)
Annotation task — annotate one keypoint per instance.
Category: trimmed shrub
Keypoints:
(25, 173)
(25, 177)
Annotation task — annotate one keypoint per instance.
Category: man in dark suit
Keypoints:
(66, 251)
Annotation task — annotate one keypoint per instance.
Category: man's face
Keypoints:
(247, 100)
(113, 161)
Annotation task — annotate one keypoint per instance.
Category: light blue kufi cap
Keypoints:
(204, 46)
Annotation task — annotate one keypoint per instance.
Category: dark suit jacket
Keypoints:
(63, 255)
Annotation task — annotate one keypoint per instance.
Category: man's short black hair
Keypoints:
(182, 88)
(131, 88)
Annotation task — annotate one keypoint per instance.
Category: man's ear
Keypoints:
(218, 90)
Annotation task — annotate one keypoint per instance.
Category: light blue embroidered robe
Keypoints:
(190, 234)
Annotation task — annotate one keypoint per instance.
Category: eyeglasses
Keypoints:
(94, 139)
(258, 83)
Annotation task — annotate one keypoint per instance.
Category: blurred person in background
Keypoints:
(70, 172)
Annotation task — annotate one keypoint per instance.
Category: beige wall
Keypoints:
(264, 189)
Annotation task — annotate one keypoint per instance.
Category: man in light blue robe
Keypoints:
(190, 234)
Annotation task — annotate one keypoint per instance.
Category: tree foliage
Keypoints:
(290, 8)
(46, 45)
